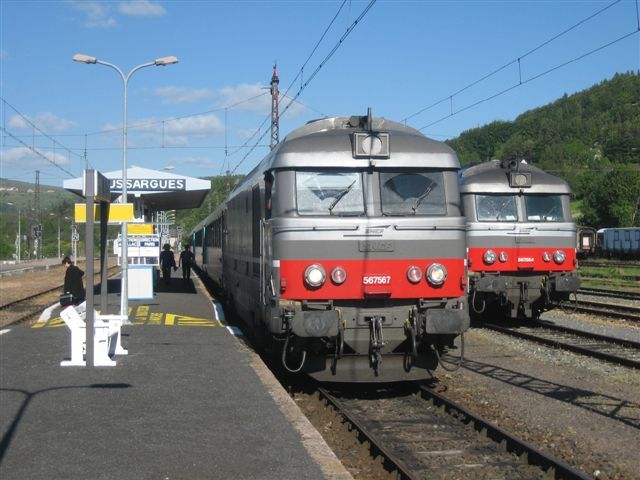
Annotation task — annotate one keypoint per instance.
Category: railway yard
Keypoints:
(519, 406)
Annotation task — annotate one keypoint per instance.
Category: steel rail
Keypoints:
(391, 462)
(604, 292)
(31, 313)
(35, 295)
(626, 312)
(627, 362)
(515, 445)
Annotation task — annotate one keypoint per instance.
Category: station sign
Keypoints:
(149, 184)
(118, 212)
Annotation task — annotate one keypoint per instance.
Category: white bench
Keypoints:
(106, 336)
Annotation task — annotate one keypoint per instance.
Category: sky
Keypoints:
(442, 67)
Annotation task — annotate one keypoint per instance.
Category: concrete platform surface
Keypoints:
(190, 401)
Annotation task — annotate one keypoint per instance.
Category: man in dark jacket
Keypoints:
(73, 281)
(186, 260)
(167, 262)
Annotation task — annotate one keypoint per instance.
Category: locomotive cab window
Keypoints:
(544, 208)
(496, 208)
(413, 193)
(329, 193)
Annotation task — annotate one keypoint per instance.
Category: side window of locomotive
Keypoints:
(496, 208)
(412, 193)
(329, 193)
(544, 208)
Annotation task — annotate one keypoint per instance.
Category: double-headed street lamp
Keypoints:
(161, 62)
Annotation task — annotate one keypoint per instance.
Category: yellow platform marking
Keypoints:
(142, 316)
(51, 323)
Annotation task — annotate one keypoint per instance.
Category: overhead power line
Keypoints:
(330, 54)
(173, 119)
(535, 77)
(38, 153)
(518, 60)
(313, 74)
(41, 132)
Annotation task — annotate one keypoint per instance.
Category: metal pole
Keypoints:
(19, 236)
(58, 237)
(124, 244)
(89, 266)
(104, 280)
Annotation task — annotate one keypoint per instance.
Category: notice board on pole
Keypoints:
(140, 282)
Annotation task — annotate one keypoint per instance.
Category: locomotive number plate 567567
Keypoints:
(376, 280)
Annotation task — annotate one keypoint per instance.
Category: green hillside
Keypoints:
(18, 202)
(591, 139)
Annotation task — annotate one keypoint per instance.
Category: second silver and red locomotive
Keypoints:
(520, 239)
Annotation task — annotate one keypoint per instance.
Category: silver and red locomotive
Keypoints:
(520, 238)
(347, 245)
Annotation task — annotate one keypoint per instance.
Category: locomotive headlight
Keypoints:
(315, 275)
(338, 275)
(414, 274)
(559, 256)
(503, 257)
(546, 257)
(436, 274)
(489, 257)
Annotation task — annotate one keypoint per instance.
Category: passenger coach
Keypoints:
(345, 246)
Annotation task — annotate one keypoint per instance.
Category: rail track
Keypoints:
(615, 350)
(604, 292)
(25, 308)
(624, 312)
(429, 436)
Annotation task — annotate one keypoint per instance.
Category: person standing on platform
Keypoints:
(73, 282)
(186, 260)
(167, 262)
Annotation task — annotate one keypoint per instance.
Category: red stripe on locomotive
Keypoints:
(522, 259)
(293, 286)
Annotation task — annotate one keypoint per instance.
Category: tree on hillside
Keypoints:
(220, 188)
(614, 200)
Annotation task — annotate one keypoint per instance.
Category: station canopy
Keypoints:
(158, 190)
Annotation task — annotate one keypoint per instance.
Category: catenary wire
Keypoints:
(312, 76)
(511, 62)
(535, 77)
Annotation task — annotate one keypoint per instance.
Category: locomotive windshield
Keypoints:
(329, 193)
(412, 193)
(544, 208)
(496, 208)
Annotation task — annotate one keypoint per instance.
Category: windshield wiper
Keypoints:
(546, 216)
(422, 196)
(340, 196)
(502, 207)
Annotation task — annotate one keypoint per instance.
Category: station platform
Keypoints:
(190, 401)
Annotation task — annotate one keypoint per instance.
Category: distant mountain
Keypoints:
(595, 129)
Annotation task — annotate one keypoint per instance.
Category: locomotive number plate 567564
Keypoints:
(376, 280)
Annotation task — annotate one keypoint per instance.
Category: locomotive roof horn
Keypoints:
(365, 121)
(511, 165)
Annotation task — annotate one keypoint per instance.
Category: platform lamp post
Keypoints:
(161, 62)
(18, 236)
